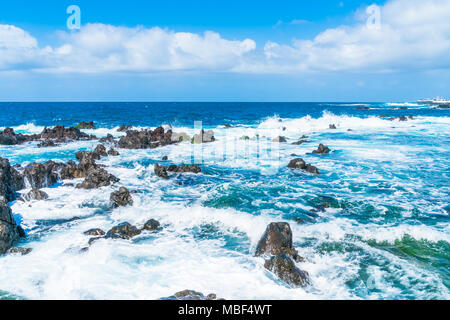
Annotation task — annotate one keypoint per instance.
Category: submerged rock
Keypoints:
(161, 171)
(98, 178)
(19, 250)
(121, 198)
(297, 143)
(301, 164)
(123, 231)
(94, 232)
(285, 269)
(35, 194)
(63, 134)
(322, 150)
(11, 180)
(40, 175)
(10, 232)
(333, 127)
(151, 225)
(9, 138)
(100, 150)
(113, 153)
(191, 295)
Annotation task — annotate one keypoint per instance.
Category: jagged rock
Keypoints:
(285, 269)
(121, 198)
(191, 295)
(113, 153)
(277, 240)
(9, 231)
(94, 232)
(35, 194)
(40, 175)
(333, 127)
(184, 168)
(124, 128)
(9, 137)
(123, 231)
(322, 150)
(47, 143)
(100, 150)
(279, 139)
(61, 133)
(97, 178)
(108, 139)
(180, 137)
(297, 143)
(165, 158)
(11, 180)
(85, 125)
(146, 139)
(204, 137)
(19, 250)
(161, 171)
(301, 164)
(151, 225)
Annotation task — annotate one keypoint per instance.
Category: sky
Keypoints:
(199, 50)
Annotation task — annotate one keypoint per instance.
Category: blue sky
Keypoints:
(251, 51)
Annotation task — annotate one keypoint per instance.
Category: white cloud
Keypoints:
(414, 35)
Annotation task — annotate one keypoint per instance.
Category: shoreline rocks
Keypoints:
(10, 232)
(97, 178)
(123, 231)
(322, 150)
(11, 180)
(162, 171)
(299, 163)
(35, 194)
(146, 139)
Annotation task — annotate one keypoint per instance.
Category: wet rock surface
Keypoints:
(283, 267)
(11, 180)
(9, 231)
(191, 295)
(121, 198)
(40, 175)
(97, 178)
(20, 251)
(35, 194)
(151, 225)
(322, 150)
(276, 240)
(279, 139)
(162, 171)
(300, 164)
(94, 232)
(123, 231)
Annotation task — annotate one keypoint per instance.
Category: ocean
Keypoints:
(384, 232)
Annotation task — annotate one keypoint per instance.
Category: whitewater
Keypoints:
(384, 235)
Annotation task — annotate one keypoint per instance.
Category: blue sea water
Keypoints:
(385, 235)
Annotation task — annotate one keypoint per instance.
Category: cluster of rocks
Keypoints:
(277, 247)
(146, 139)
(191, 295)
(299, 163)
(48, 137)
(162, 171)
(322, 150)
(124, 231)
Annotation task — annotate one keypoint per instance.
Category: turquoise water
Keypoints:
(384, 234)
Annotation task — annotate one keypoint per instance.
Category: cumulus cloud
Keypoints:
(414, 35)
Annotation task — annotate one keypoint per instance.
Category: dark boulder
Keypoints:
(35, 194)
(121, 198)
(285, 269)
(108, 139)
(362, 108)
(146, 139)
(322, 150)
(63, 134)
(47, 143)
(124, 128)
(97, 178)
(151, 225)
(85, 125)
(161, 171)
(277, 240)
(40, 175)
(9, 231)
(165, 158)
(123, 231)
(191, 295)
(301, 164)
(333, 127)
(9, 138)
(94, 232)
(184, 168)
(11, 180)
(100, 150)
(113, 153)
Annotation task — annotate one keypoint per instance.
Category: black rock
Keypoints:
(161, 171)
(165, 158)
(63, 134)
(98, 178)
(41, 175)
(322, 150)
(94, 232)
(277, 240)
(301, 164)
(151, 225)
(146, 139)
(47, 143)
(9, 137)
(123, 231)
(124, 128)
(9, 231)
(297, 143)
(333, 126)
(108, 139)
(285, 269)
(121, 198)
(11, 180)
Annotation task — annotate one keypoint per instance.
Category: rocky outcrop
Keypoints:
(97, 178)
(146, 139)
(151, 225)
(101, 150)
(123, 231)
(277, 240)
(279, 139)
(299, 163)
(121, 198)
(285, 269)
(47, 144)
(11, 181)
(113, 153)
(63, 134)
(191, 295)
(109, 139)
(276, 245)
(333, 127)
(162, 171)
(85, 125)
(35, 194)
(9, 138)
(124, 128)
(9, 231)
(40, 175)
(204, 137)
(94, 232)
(322, 150)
